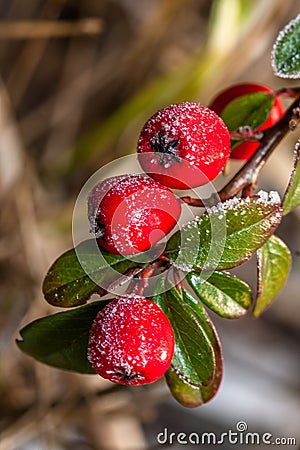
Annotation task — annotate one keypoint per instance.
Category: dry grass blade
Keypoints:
(49, 29)
(11, 150)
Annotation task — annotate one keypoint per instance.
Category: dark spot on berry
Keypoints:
(168, 150)
(127, 375)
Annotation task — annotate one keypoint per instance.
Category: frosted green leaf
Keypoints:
(227, 235)
(286, 51)
(291, 197)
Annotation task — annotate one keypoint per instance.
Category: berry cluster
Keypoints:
(180, 147)
(157, 323)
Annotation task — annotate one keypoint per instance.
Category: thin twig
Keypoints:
(49, 29)
(289, 92)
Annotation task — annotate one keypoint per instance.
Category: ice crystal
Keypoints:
(286, 51)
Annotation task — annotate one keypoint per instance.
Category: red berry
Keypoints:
(131, 341)
(131, 213)
(246, 149)
(189, 145)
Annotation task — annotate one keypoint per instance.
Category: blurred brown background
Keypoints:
(77, 81)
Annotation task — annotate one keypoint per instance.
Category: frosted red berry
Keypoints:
(131, 341)
(246, 149)
(131, 213)
(184, 145)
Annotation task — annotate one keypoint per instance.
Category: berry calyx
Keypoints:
(131, 341)
(246, 149)
(184, 145)
(130, 213)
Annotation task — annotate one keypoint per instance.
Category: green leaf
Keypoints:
(248, 110)
(286, 51)
(61, 340)
(70, 282)
(291, 197)
(197, 355)
(274, 262)
(227, 235)
(224, 294)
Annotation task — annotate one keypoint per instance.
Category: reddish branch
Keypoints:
(140, 279)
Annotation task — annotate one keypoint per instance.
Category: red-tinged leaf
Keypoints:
(188, 395)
